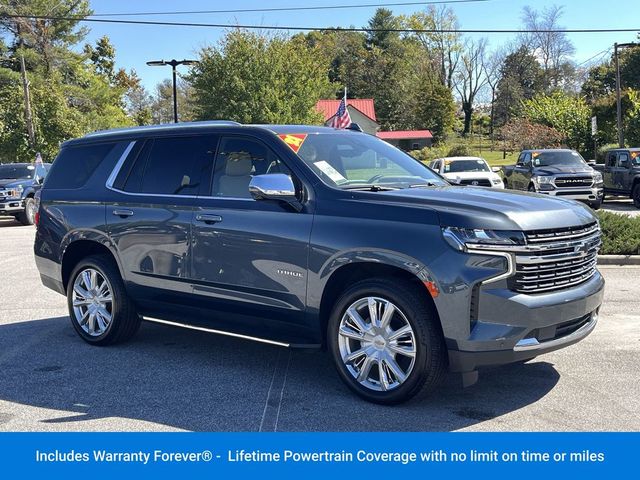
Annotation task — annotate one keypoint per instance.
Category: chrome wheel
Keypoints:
(30, 210)
(377, 343)
(92, 302)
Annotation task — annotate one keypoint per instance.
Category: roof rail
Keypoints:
(166, 126)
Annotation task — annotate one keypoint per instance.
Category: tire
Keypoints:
(422, 373)
(636, 195)
(27, 217)
(531, 189)
(113, 321)
(596, 205)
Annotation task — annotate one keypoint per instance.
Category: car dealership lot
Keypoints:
(172, 379)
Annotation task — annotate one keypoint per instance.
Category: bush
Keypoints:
(620, 234)
(459, 151)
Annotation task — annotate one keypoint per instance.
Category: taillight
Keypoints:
(36, 218)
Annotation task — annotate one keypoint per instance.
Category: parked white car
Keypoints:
(467, 171)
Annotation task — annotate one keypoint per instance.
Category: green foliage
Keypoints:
(521, 78)
(632, 123)
(253, 78)
(567, 114)
(620, 234)
(459, 151)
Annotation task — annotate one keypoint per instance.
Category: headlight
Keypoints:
(15, 192)
(473, 238)
(542, 180)
(496, 181)
(597, 177)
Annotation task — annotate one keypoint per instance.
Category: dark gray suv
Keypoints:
(313, 237)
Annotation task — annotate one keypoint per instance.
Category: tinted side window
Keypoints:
(611, 160)
(238, 160)
(623, 160)
(75, 165)
(172, 166)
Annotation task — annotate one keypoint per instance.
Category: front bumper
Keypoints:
(512, 326)
(11, 206)
(586, 194)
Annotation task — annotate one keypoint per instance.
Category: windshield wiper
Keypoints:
(372, 187)
(427, 184)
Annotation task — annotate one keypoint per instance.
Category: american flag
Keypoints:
(341, 119)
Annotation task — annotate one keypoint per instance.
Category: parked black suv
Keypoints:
(19, 183)
(309, 237)
(556, 172)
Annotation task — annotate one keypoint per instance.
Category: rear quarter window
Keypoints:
(74, 165)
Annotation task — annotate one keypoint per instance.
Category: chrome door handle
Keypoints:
(207, 218)
(122, 213)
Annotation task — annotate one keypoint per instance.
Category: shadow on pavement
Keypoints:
(192, 381)
(9, 222)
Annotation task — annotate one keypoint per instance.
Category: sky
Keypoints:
(137, 44)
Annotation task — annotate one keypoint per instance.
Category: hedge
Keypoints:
(620, 234)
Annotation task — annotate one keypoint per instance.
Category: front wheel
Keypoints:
(531, 189)
(28, 216)
(596, 205)
(101, 311)
(385, 341)
(636, 195)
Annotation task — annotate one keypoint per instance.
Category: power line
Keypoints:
(286, 9)
(330, 29)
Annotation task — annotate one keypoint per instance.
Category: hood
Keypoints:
(562, 169)
(12, 182)
(477, 207)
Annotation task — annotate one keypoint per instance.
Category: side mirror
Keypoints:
(496, 169)
(274, 186)
(591, 162)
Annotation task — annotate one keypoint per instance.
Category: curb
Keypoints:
(624, 260)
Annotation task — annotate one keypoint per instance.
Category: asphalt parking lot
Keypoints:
(172, 379)
(621, 206)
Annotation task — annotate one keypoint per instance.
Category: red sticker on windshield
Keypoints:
(294, 140)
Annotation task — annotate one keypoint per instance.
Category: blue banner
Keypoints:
(316, 455)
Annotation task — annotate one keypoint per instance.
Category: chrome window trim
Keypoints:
(118, 166)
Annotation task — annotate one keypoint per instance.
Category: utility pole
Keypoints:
(28, 117)
(617, 46)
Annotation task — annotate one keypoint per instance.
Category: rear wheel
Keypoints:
(531, 189)
(385, 341)
(101, 311)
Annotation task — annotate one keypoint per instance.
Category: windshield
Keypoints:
(548, 159)
(347, 161)
(471, 165)
(9, 171)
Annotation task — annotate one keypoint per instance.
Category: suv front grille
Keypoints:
(556, 259)
(563, 182)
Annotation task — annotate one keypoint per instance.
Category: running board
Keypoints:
(228, 334)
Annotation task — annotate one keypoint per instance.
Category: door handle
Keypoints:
(122, 213)
(208, 219)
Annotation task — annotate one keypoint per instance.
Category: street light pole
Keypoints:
(173, 64)
(616, 46)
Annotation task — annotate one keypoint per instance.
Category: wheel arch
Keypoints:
(75, 249)
(344, 276)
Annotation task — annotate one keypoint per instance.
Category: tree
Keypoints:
(382, 25)
(521, 134)
(253, 78)
(567, 114)
(103, 57)
(549, 44)
(440, 43)
(492, 65)
(520, 79)
(471, 78)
